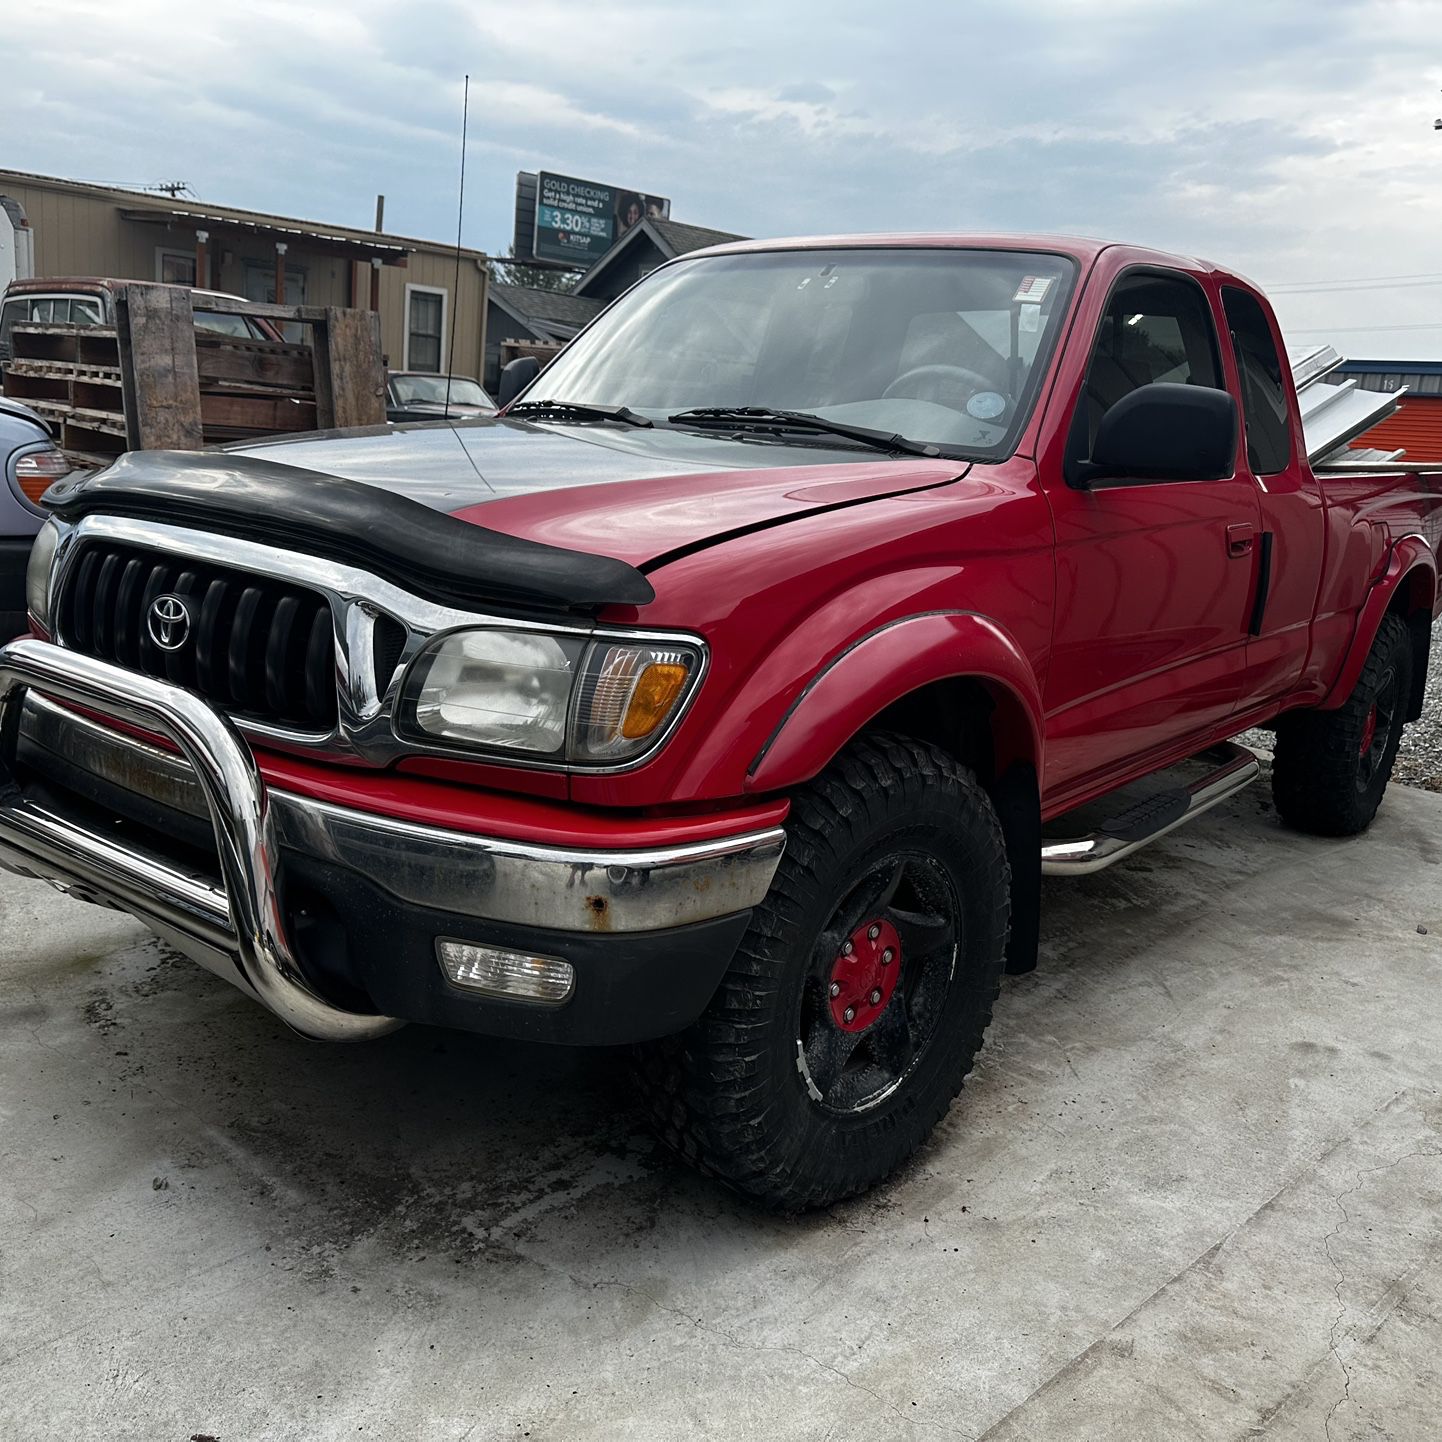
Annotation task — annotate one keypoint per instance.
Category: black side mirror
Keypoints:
(515, 377)
(1163, 432)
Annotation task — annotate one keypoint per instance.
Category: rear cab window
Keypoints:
(47, 310)
(1268, 422)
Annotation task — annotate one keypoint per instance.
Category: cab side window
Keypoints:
(1264, 394)
(84, 312)
(1156, 328)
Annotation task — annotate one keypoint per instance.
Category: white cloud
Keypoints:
(1293, 140)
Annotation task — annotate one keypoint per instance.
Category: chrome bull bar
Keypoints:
(242, 919)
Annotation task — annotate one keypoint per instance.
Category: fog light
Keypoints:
(512, 974)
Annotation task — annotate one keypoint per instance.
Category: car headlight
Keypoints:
(547, 697)
(37, 575)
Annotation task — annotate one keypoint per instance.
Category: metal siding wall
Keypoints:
(74, 234)
(79, 234)
(1427, 383)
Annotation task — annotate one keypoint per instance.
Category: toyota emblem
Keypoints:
(168, 622)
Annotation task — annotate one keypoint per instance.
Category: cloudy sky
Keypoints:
(1292, 140)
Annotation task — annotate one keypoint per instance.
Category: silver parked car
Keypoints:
(31, 461)
(421, 396)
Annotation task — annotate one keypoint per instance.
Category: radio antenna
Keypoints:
(460, 214)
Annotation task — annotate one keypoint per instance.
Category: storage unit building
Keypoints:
(1415, 427)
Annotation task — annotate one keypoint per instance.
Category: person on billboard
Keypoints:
(656, 208)
(629, 211)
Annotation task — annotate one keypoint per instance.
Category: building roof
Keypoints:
(327, 238)
(1419, 378)
(542, 309)
(680, 238)
(1391, 367)
(207, 214)
(669, 238)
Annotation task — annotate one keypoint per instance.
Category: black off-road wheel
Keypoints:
(860, 995)
(1331, 767)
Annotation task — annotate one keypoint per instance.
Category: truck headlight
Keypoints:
(501, 690)
(37, 575)
(547, 697)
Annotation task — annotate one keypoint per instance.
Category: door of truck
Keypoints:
(1154, 579)
(1291, 545)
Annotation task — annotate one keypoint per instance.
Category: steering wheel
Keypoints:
(941, 381)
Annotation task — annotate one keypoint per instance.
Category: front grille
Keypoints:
(258, 649)
(389, 641)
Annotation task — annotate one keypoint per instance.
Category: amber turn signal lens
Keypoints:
(651, 701)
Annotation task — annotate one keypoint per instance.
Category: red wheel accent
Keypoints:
(1369, 731)
(865, 975)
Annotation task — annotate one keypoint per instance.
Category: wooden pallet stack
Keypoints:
(153, 381)
(250, 387)
(71, 376)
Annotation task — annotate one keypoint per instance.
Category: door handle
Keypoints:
(1239, 540)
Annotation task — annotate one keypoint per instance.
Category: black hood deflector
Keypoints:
(426, 551)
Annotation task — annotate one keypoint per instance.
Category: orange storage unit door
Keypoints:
(1415, 428)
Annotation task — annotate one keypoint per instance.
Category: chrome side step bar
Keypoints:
(1151, 817)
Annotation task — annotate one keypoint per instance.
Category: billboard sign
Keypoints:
(578, 221)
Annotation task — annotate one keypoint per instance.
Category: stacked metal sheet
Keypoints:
(1336, 412)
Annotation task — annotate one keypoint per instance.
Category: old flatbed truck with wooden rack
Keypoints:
(714, 697)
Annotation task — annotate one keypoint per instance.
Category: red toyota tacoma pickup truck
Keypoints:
(726, 695)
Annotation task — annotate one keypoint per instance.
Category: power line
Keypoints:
(1353, 280)
(1340, 289)
(1354, 329)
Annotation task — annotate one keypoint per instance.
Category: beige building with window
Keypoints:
(420, 293)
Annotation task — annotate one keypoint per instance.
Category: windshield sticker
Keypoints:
(1028, 321)
(1033, 288)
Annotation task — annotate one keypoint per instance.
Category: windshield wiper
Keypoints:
(804, 421)
(579, 411)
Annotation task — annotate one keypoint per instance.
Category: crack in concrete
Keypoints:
(1339, 1201)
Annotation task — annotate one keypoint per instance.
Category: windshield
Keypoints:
(939, 346)
(433, 388)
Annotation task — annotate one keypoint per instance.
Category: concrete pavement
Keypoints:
(1194, 1190)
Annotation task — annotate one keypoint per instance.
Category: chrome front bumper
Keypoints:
(236, 925)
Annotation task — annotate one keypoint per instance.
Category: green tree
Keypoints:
(507, 270)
